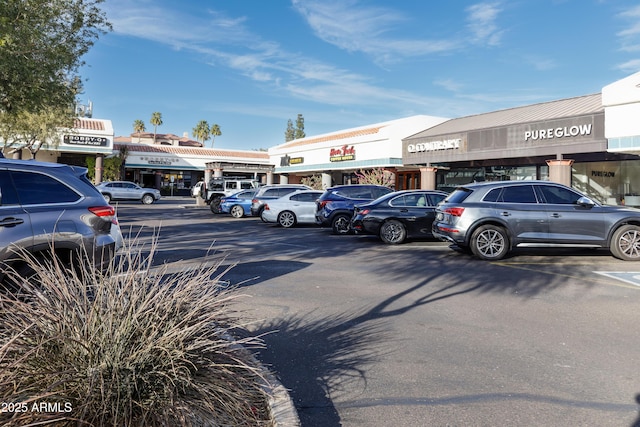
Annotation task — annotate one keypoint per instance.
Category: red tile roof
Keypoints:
(89, 124)
(195, 151)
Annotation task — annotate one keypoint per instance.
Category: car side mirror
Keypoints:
(586, 202)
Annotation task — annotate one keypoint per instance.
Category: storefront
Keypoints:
(175, 169)
(336, 158)
(89, 138)
(562, 140)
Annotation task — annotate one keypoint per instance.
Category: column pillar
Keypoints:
(428, 178)
(327, 181)
(269, 178)
(217, 172)
(284, 179)
(560, 171)
(99, 168)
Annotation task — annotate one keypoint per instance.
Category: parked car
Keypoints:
(219, 187)
(196, 190)
(294, 208)
(490, 219)
(50, 206)
(125, 190)
(238, 204)
(335, 207)
(271, 192)
(398, 216)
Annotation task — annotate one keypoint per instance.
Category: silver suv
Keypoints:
(45, 205)
(125, 190)
(490, 219)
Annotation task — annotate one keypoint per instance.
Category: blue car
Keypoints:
(238, 204)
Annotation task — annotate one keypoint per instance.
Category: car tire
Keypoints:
(341, 224)
(393, 232)
(286, 219)
(107, 197)
(490, 242)
(236, 211)
(214, 205)
(625, 243)
(147, 199)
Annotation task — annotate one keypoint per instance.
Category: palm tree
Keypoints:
(201, 132)
(156, 120)
(138, 127)
(215, 131)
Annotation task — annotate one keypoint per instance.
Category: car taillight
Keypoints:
(322, 204)
(106, 212)
(363, 212)
(266, 207)
(454, 211)
(254, 200)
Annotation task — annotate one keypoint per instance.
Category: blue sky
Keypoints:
(250, 65)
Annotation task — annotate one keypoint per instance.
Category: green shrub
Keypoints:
(126, 348)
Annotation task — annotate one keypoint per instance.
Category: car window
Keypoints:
(305, 197)
(129, 185)
(245, 195)
(230, 185)
(8, 195)
(271, 192)
(458, 195)
(36, 189)
(493, 195)
(558, 195)
(519, 194)
(406, 200)
(245, 185)
(434, 199)
(285, 191)
(379, 192)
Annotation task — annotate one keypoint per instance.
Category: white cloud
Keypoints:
(482, 23)
(632, 66)
(356, 27)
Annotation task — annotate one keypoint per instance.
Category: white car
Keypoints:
(294, 208)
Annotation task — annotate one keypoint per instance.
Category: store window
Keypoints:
(611, 183)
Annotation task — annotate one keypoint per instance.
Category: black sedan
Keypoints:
(398, 216)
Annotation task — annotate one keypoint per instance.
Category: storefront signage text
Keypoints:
(559, 132)
(287, 161)
(94, 141)
(342, 154)
(604, 174)
(447, 144)
(160, 161)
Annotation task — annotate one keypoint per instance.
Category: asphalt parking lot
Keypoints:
(366, 334)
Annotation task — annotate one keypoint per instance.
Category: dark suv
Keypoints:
(490, 219)
(50, 205)
(335, 206)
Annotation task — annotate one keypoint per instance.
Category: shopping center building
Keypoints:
(338, 156)
(590, 142)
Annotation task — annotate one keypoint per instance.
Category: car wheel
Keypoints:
(341, 224)
(286, 219)
(490, 242)
(147, 199)
(107, 197)
(393, 232)
(625, 244)
(236, 211)
(215, 205)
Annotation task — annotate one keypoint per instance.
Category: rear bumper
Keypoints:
(445, 233)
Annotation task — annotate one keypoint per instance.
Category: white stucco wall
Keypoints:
(621, 100)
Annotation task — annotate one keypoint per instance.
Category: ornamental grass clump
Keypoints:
(129, 347)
